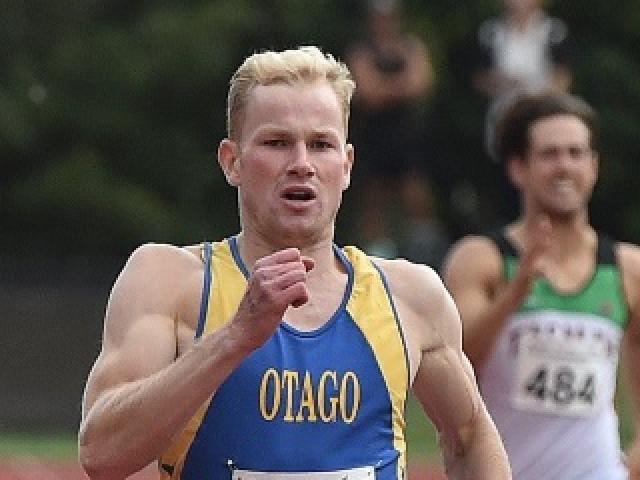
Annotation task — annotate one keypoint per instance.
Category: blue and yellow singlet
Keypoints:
(313, 401)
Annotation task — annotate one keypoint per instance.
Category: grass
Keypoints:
(624, 407)
(49, 446)
(421, 437)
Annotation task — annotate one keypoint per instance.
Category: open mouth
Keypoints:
(299, 194)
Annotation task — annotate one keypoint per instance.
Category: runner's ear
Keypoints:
(348, 166)
(228, 155)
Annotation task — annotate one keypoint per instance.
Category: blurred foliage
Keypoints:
(111, 111)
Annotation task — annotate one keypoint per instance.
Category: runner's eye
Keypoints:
(275, 142)
(321, 145)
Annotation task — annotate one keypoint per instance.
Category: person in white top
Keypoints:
(522, 51)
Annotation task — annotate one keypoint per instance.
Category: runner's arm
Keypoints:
(473, 273)
(443, 381)
(137, 397)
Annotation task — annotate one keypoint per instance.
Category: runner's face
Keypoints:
(560, 170)
(293, 162)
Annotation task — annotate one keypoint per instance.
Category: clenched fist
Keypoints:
(276, 282)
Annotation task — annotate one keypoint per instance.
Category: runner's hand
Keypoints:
(276, 282)
(532, 263)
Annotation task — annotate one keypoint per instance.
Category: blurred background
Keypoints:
(110, 116)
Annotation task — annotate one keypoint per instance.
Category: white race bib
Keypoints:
(560, 374)
(364, 473)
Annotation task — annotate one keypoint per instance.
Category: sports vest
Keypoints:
(549, 383)
(326, 400)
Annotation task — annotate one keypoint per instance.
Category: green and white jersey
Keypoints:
(549, 383)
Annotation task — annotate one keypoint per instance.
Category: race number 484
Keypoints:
(560, 386)
(558, 389)
(560, 376)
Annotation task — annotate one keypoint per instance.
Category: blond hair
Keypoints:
(301, 65)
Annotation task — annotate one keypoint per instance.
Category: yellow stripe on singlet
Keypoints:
(219, 310)
(224, 302)
(371, 309)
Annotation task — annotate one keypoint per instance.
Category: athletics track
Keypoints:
(35, 469)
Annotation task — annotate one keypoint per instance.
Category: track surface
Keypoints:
(34, 469)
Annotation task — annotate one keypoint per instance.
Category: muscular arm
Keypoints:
(444, 382)
(129, 406)
(138, 396)
(474, 275)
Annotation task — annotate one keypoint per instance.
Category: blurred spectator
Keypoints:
(423, 238)
(394, 76)
(522, 51)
